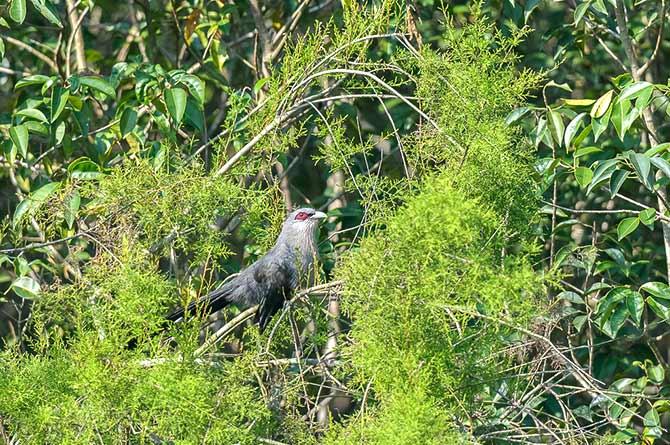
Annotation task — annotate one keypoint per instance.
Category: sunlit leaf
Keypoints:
(175, 100)
(17, 10)
(627, 226)
(583, 175)
(26, 287)
(19, 136)
(99, 84)
(602, 105)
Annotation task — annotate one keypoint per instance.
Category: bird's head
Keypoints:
(302, 222)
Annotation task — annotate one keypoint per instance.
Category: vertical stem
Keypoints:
(75, 29)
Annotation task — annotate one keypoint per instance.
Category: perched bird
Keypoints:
(272, 279)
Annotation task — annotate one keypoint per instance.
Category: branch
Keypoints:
(659, 38)
(75, 37)
(32, 51)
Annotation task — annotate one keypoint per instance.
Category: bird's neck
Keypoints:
(301, 243)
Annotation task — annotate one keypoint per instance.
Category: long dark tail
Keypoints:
(212, 302)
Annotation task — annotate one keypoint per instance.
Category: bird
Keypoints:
(272, 279)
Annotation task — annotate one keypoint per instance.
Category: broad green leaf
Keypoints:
(586, 150)
(563, 86)
(652, 419)
(618, 118)
(556, 126)
(516, 114)
(583, 175)
(175, 100)
(572, 128)
(627, 226)
(34, 201)
(528, 9)
(35, 79)
(582, 135)
(616, 255)
(193, 115)
(600, 124)
(602, 105)
(259, 84)
(657, 149)
(578, 102)
(648, 216)
(615, 320)
(660, 307)
(20, 211)
(2, 48)
(84, 169)
(59, 133)
(47, 11)
(634, 90)
(36, 128)
(635, 305)
(59, 97)
(72, 204)
(19, 136)
(616, 181)
(127, 121)
(196, 87)
(578, 322)
(657, 289)
(26, 287)
(580, 10)
(33, 113)
(656, 375)
(597, 287)
(570, 296)
(661, 164)
(642, 166)
(611, 311)
(602, 174)
(43, 193)
(99, 84)
(17, 10)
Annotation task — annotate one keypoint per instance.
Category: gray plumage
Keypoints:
(272, 279)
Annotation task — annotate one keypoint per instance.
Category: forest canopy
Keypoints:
(495, 254)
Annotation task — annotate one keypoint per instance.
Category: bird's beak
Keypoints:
(318, 215)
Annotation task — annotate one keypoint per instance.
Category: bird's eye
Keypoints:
(301, 216)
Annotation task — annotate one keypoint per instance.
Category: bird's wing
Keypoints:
(212, 302)
(274, 282)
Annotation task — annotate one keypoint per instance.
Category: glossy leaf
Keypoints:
(556, 126)
(59, 97)
(642, 166)
(26, 287)
(602, 105)
(47, 11)
(648, 216)
(175, 100)
(583, 175)
(616, 181)
(128, 121)
(98, 84)
(635, 305)
(33, 113)
(17, 10)
(19, 136)
(634, 90)
(572, 128)
(627, 226)
(72, 204)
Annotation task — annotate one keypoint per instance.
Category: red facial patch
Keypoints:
(301, 216)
